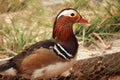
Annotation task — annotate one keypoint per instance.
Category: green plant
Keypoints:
(15, 39)
(104, 24)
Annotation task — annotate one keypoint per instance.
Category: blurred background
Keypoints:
(24, 22)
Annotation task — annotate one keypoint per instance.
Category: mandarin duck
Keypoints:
(49, 58)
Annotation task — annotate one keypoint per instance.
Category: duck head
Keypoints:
(64, 21)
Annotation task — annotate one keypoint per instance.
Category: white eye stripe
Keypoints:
(67, 13)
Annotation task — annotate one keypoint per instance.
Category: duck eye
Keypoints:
(72, 14)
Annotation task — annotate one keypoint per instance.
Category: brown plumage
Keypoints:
(48, 58)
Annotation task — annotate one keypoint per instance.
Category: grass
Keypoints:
(14, 39)
(12, 5)
(23, 29)
(105, 24)
(36, 26)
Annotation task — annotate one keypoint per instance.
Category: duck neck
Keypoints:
(63, 34)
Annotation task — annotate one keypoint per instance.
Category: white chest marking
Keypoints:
(60, 51)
